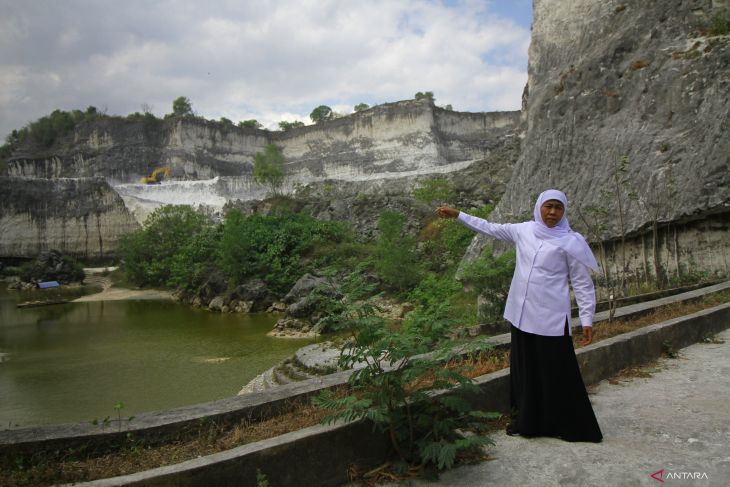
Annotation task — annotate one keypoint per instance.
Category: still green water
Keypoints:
(74, 362)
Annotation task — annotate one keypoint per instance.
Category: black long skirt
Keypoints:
(547, 393)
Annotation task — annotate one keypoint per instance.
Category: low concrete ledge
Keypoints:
(321, 455)
(603, 359)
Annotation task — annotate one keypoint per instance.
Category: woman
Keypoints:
(547, 394)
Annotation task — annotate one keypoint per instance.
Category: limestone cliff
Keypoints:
(638, 79)
(83, 216)
(124, 150)
(627, 111)
(394, 139)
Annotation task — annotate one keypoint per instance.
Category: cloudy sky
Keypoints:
(269, 60)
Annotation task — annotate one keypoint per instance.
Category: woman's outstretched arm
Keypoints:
(505, 231)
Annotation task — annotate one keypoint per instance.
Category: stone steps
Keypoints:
(307, 363)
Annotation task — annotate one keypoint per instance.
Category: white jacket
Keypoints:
(539, 297)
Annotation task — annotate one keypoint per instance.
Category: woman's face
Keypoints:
(552, 212)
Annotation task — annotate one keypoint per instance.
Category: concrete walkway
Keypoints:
(677, 420)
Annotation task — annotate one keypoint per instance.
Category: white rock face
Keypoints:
(628, 112)
(612, 79)
(84, 217)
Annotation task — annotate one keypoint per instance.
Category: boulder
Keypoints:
(214, 285)
(302, 308)
(277, 307)
(253, 291)
(216, 304)
(309, 295)
(243, 306)
(292, 328)
(304, 287)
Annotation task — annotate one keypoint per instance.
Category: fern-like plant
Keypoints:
(402, 382)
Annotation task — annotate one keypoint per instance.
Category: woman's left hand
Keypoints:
(587, 335)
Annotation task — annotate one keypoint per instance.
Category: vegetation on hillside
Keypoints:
(179, 248)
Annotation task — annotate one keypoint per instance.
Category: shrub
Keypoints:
(252, 124)
(435, 191)
(150, 254)
(284, 125)
(396, 260)
(719, 24)
(395, 386)
(190, 266)
(270, 247)
(445, 241)
(490, 276)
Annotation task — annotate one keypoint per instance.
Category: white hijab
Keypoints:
(561, 234)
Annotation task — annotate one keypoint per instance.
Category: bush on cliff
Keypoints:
(396, 261)
(268, 168)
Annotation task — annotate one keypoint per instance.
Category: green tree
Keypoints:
(396, 259)
(181, 107)
(361, 106)
(149, 253)
(47, 129)
(425, 95)
(226, 121)
(191, 265)
(251, 124)
(284, 125)
(268, 168)
(321, 114)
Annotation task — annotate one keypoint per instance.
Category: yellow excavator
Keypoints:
(157, 176)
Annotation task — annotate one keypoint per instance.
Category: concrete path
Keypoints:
(677, 420)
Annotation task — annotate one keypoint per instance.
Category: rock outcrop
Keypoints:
(82, 217)
(627, 110)
(633, 79)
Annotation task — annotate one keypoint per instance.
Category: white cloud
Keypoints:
(271, 61)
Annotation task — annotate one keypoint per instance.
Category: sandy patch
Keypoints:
(119, 294)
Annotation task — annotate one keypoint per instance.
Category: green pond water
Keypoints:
(74, 362)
